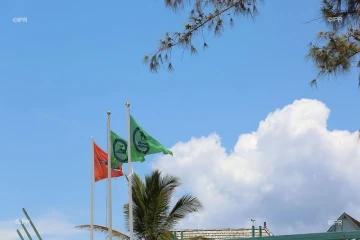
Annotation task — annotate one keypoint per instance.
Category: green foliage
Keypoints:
(116, 234)
(336, 52)
(211, 15)
(153, 217)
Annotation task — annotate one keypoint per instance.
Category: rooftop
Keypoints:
(221, 233)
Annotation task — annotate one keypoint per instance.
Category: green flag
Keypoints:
(119, 151)
(142, 143)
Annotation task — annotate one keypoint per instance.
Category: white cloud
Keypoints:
(52, 226)
(292, 172)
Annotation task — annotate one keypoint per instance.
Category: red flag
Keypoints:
(101, 167)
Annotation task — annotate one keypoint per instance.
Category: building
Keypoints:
(347, 224)
(224, 233)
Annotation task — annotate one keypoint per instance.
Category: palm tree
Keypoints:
(152, 214)
(116, 234)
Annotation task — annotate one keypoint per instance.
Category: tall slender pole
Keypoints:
(109, 179)
(253, 228)
(92, 189)
(26, 231)
(22, 238)
(32, 224)
(129, 174)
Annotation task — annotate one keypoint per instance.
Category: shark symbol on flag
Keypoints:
(103, 162)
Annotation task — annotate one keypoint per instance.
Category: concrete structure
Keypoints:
(224, 233)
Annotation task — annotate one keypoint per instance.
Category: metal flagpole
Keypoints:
(92, 177)
(32, 224)
(22, 238)
(130, 173)
(109, 179)
(26, 231)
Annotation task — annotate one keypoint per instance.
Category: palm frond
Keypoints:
(139, 206)
(157, 198)
(166, 235)
(153, 217)
(102, 229)
(185, 205)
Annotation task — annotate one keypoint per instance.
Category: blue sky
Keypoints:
(75, 60)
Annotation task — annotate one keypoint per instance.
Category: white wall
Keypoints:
(348, 226)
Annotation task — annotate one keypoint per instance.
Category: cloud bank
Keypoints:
(292, 172)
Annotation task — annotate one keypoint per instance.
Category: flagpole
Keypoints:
(109, 179)
(26, 231)
(129, 174)
(19, 234)
(92, 189)
(32, 224)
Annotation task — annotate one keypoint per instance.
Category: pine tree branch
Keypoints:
(198, 21)
(341, 48)
(195, 28)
